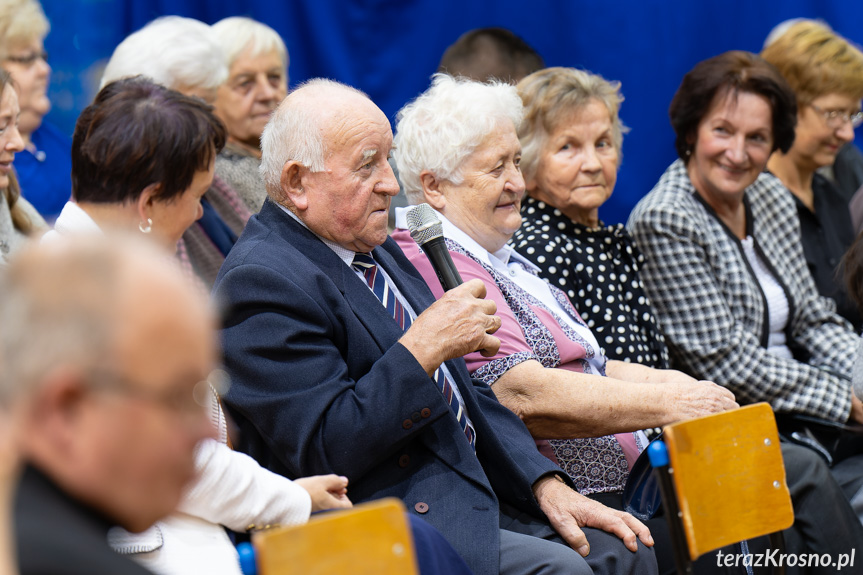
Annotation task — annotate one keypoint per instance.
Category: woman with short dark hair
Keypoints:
(747, 314)
(142, 157)
(183, 54)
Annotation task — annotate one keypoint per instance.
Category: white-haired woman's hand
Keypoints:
(695, 399)
(683, 396)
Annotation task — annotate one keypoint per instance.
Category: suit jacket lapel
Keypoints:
(383, 330)
(412, 288)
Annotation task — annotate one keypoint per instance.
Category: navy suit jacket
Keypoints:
(56, 534)
(320, 384)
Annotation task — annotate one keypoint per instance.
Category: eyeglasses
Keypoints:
(29, 59)
(178, 401)
(837, 118)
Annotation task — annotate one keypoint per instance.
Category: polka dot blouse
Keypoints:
(598, 269)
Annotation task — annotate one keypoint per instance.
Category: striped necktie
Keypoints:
(365, 264)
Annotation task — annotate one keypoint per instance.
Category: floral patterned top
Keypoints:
(533, 330)
(598, 270)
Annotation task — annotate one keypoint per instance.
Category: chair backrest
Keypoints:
(371, 538)
(729, 477)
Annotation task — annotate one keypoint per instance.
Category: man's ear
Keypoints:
(432, 192)
(291, 183)
(56, 409)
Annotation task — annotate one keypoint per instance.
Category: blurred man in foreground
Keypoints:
(115, 346)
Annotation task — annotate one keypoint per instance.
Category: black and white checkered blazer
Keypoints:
(712, 310)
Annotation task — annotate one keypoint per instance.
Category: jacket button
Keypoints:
(426, 412)
(404, 460)
(407, 423)
(421, 507)
(415, 416)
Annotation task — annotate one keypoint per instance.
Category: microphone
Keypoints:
(427, 232)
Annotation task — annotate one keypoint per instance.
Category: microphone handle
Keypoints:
(441, 261)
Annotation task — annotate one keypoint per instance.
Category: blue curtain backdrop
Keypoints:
(389, 48)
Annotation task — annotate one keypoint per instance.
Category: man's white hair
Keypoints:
(237, 33)
(445, 124)
(173, 51)
(296, 132)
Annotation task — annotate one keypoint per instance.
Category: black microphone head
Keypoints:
(424, 224)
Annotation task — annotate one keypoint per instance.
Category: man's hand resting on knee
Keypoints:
(568, 511)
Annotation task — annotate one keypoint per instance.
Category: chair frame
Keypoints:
(722, 481)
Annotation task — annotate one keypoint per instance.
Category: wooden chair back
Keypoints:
(729, 477)
(370, 539)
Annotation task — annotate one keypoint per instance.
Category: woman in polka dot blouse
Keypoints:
(571, 139)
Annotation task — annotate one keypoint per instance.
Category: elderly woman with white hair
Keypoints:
(183, 54)
(457, 149)
(257, 82)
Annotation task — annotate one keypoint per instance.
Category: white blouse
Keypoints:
(777, 302)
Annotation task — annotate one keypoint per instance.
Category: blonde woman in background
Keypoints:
(18, 219)
(44, 165)
(825, 73)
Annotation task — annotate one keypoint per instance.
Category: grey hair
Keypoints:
(58, 310)
(296, 132)
(173, 51)
(551, 94)
(237, 33)
(445, 124)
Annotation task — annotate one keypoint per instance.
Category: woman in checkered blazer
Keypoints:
(725, 269)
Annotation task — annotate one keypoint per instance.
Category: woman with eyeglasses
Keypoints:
(43, 167)
(826, 74)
